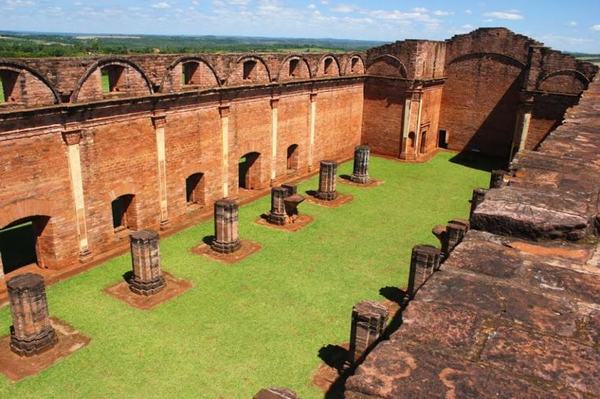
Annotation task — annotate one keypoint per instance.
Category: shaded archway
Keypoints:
(423, 143)
(249, 171)
(194, 189)
(124, 215)
(25, 242)
(292, 158)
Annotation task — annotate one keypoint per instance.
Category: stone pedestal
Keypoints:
(425, 260)
(360, 172)
(497, 178)
(368, 324)
(276, 393)
(31, 332)
(145, 260)
(277, 215)
(227, 238)
(455, 232)
(291, 189)
(477, 198)
(327, 175)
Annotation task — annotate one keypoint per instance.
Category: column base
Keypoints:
(147, 288)
(35, 345)
(360, 179)
(326, 195)
(85, 255)
(164, 224)
(276, 218)
(226, 247)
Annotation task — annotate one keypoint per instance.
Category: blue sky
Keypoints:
(565, 25)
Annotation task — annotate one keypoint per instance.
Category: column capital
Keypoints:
(526, 100)
(224, 110)
(159, 119)
(313, 96)
(72, 136)
(274, 102)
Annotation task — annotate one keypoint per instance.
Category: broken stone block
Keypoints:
(369, 320)
(275, 393)
(425, 261)
(145, 259)
(31, 332)
(227, 239)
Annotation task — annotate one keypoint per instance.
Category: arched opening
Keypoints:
(442, 139)
(23, 243)
(123, 212)
(328, 66)
(113, 79)
(354, 64)
(423, 144)
(190, 73)
(292, 158)
(294, 67)
(8, 86)
(194, 189)
(249, 171)
(411, 140)
(249, 70)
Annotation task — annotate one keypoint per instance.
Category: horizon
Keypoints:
(556, 24)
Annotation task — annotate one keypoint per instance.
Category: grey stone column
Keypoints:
(455, 232)
(360, 172)
(476, 199)
(368, 324)
(227, 238)
(31, 332)
(277, 214)
(425, 260)
(145, 259)
(327, 175)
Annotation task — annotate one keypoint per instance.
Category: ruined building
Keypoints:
(93, 148)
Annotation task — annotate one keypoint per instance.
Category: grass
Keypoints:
(260, 322)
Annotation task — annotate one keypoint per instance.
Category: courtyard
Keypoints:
(262, 321)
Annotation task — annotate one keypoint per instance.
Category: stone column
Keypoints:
(276, 393)
(413, 105)
(277, 214)
(291, 189)
(31, 332)
(360, 172)
(274, 129)
(1, 267)
(327, 175)
(227, 238)
(497, 178)
(145, 259)
(368, 324)
(159, 121)
(312, 129)
(476, 199)
(73, 139)
(522, 125)
(425, 260)
(224, 112)
(455, 232)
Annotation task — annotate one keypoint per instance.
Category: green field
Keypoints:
(260, 322)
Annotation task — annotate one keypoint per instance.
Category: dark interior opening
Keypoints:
(18, 243)
(442, 141)
(246, 165)
(120, 208)
(292, 157)
(194, 191)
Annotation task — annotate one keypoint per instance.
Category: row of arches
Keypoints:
(30, 239)
(115, 76)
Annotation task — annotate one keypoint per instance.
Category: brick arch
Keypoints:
(25, 208)
(349, 64)
(502, 58)
(185, 59)
(103, 62)
(121, 189)
(239, 64)
(321, 65)
(289, 58)
(18, 67)
(381, 64)
(564, 72)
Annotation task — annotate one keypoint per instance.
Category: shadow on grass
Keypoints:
(334, 356)
(478, 161)
(127, 276)
(208, 240)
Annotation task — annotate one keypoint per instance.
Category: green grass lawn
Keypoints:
(260, 322)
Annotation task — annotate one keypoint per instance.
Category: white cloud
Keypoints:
(469, 12)
(441, 13)
(572, 23)
(12, 4)
(344, 8)
(311, 6)
(511, 15)
(161, 5)
(595, 27)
